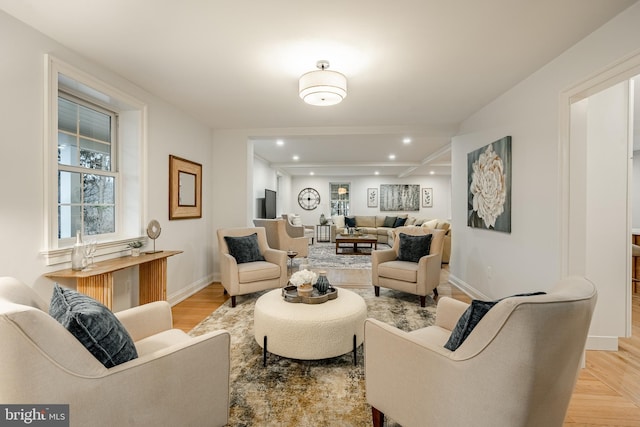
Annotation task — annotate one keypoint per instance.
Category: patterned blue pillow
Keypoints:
(412, 248)
(94, 325)
(244, 248)
(471, 317)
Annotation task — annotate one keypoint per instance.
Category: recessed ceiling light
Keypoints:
(296, 157)
(407, 141)
(432, 173)
(280, 142)
(312, 173)
(392, 156)
(376, 173)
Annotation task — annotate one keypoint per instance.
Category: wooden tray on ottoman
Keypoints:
(290, 294)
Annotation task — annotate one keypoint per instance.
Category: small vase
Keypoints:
(305, 290)
(135, 251)
(323, 219)
(322, 284)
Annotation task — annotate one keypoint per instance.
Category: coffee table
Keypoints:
(309, 331)
(355, 240)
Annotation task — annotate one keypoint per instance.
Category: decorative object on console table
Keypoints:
(185, 189)
(153, 231)
(135, 247)
(489, 191)
(323, 219)
(372, 197)
(427, 197)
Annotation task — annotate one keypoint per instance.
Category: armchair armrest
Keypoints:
(147, 319)
(448, 312)
(394, 384)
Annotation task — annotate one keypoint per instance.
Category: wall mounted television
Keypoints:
(269, 204)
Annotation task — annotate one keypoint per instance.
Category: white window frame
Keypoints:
(112, 172)
(129, 158)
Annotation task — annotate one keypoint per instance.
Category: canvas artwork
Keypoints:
(372, 197)
(399, 197)
(489, 191)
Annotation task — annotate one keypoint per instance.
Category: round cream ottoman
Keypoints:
(309, 331)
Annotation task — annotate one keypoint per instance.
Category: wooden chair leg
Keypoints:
(376, 289)
(378, 417)
(435, 292)
(233, 301)
(423, 301)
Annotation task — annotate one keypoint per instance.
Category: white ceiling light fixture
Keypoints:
(323, 87)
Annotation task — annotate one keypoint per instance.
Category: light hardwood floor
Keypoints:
(608, 388)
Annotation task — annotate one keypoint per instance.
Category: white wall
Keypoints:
(529, 258)
(22, 188)
(441, 195)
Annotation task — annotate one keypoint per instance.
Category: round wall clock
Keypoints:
(309, 199)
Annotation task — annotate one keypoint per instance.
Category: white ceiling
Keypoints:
(415, 68)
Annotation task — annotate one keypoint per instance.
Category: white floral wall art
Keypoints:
(489, 178)
(372, 197)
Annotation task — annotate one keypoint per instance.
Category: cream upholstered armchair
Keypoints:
(278, 238)
(518, 367)
(175, 380)
(296, 229)
(419, 278)
(241, 278)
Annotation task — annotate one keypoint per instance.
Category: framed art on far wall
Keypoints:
(427, 197)
(185, 188)
(372, 197)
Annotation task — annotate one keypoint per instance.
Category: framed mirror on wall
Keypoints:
(185, 188)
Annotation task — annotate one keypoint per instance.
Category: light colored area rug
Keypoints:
(323, 255)
(302, 393)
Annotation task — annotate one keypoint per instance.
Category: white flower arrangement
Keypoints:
(303, 276)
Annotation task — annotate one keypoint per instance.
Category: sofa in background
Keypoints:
(383, 227)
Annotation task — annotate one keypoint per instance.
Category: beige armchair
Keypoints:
(518, 367)
(245, 278)
(298, 230)
(176, 379)
(419, 278)
(278, 238)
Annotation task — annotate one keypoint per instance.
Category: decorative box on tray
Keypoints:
(290, 294)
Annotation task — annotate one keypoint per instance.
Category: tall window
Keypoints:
(87, 175)
(339, 197)
(94, 169)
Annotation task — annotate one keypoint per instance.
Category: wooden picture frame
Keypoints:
(427, 197)
(185, 188)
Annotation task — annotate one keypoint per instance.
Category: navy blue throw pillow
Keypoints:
(471, 317)
(412, 248)
(94, 325)
(350, 221)
(399, 222)
(244, 248)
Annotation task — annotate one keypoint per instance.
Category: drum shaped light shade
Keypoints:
(323, 87)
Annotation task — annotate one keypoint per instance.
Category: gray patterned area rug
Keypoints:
(323, 255)
(289, 392)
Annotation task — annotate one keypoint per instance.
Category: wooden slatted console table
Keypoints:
(97, 282)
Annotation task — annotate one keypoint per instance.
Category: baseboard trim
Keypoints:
(467, 288)
(187, 291)
(602, 343)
